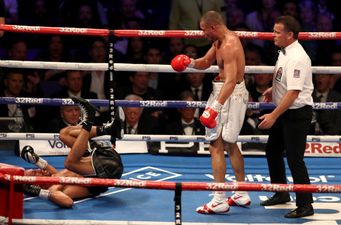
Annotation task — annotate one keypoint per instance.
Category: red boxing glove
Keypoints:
(208, 116)
(181, 62)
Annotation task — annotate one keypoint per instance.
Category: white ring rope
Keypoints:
(158, 138)
(161, 68)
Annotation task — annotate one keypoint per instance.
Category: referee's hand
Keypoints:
(267, 120)
(267, 95)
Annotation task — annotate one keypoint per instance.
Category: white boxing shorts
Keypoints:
(231, 118)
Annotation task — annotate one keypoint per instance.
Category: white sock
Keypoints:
(42, 163)
(219, 196)
(44, 194)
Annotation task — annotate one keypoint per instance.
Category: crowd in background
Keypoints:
(242, 15)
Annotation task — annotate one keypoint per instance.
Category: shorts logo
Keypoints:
(297, 73)
(278, 75)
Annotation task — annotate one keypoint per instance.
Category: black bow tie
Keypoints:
(185, 125)
(319, 98)
(282, 50)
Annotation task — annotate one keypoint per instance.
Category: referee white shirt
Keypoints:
(293, 72)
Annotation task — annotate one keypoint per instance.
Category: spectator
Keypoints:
(87, 17)
(191, 51)
(156, 9)
(262, 18)
(54, 50)
(324, 23)
(307, 18)
(122, 44)
(235, 17)
(185, 15)
(153, 56)
(69, 115)
(17, 50)
(137, 123)
(201, 90)
(74, 86)
(82, 13)
(336, 61)
(253, 57)
(261, 83)
(38, 13)
(175, 47)
(135, 50)
(186, 123)
(230, 6)
(307, 15)
(325, 122)
(139, 86)
(23, 116)
(164, 83)
(11, 9)
(180, 82)
(95, 81)
(127, 9)
(290, 8)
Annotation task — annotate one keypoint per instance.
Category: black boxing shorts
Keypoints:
(106, 162)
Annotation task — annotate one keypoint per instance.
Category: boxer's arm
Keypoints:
(206, 61)
(229, 73)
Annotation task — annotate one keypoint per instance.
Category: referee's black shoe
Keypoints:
(277, 198)
(301, 211)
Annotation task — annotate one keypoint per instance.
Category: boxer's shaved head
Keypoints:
(212, 18)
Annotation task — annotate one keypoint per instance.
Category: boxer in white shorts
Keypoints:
(231, 118)
(225, 111)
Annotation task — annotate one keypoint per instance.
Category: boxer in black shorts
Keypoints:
(102, 160)
(87, 158)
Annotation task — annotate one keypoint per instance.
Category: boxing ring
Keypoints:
(177, 178)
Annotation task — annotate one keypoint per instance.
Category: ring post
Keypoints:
(11, 204)
(177, 201)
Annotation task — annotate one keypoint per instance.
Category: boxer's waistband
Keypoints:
(218, 79)
(218, 85)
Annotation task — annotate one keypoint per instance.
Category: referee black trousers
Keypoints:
(288, 135)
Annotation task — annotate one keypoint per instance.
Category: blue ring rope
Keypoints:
(148, 103)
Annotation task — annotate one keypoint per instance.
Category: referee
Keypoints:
(289, 122)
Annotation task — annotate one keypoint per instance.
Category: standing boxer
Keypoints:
(226, 106)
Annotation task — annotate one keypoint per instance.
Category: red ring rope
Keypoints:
(156, 33)
(187, 186)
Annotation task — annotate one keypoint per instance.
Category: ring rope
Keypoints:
(168, 185)
(156, 33)
(161, 137)
(160, 68)
(148, 103)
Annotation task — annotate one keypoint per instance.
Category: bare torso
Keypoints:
(231, 46)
